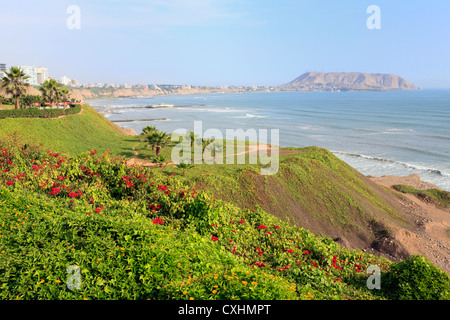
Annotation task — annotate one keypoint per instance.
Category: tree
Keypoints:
(54, 92)
(2, 98)
(14, 83)
(193, 137)
(151, 138)
(184, 166)
(148, 130)
(206, 142)
(160, 140)
(159, 160)
(29, 99)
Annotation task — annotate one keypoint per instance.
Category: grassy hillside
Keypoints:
(312, 188)
(71, 134)
(139, 233)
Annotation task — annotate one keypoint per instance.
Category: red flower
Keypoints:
(9, 183)
(276, 227)
(214, 238)
(55, 191)
(290, 251)
(262, 227)
(306, 252)
(242, 221)
(99, 209)
(157, 221)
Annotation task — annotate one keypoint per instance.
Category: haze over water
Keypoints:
(377, 133)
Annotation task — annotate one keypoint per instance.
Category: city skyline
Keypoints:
(215, 42)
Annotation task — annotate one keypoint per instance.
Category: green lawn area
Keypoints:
(71, 134)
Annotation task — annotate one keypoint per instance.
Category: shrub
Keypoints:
(38, 113)
(416, 279)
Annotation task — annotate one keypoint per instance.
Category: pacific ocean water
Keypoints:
(377, 133)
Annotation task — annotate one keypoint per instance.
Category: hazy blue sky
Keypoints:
(217, 42)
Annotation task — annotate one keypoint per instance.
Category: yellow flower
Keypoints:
(185, 292)
(58, 281)
(42, 281)
(244, 282)
(254, 283)
(3, 251)
(214, 291)
(191, 298)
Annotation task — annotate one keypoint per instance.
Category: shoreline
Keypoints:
(412, 180)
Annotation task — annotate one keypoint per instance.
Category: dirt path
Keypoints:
(431, 236)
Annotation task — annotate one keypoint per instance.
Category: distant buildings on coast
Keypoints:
(38, 75)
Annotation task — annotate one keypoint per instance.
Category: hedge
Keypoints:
(39, 113)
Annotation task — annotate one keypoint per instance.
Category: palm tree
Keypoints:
(184, 166)
(148, 130)
(50, 91)
(159, 160)
(14, 83)
(193, 137)
(161, 140)
(158, 140)
(206, 142)
(215, 147)
(151, 138)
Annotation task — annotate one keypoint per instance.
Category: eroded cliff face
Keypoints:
(356, 81)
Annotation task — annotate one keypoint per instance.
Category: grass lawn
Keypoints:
(72, 134)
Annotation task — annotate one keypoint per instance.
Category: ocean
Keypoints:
(377, 133)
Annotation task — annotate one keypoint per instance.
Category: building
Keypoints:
(31, 72)
(65, 80)
(42, 75)
(2, 67)
(74, 83)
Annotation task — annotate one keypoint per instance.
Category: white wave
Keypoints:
(394, 162)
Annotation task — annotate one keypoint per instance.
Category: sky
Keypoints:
(226, 42)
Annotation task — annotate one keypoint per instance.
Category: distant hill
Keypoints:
(347, 81)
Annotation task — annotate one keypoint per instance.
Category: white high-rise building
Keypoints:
(65, 80)
(30, 71)
(42, 75)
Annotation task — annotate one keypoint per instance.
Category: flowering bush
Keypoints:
(139, 233)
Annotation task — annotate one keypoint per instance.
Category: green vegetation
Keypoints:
(439, 197)
(416, 279)
(54, 92)
(138, 233)
(311, 184)
(14, 84)
(36, 113)
(72, 134)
